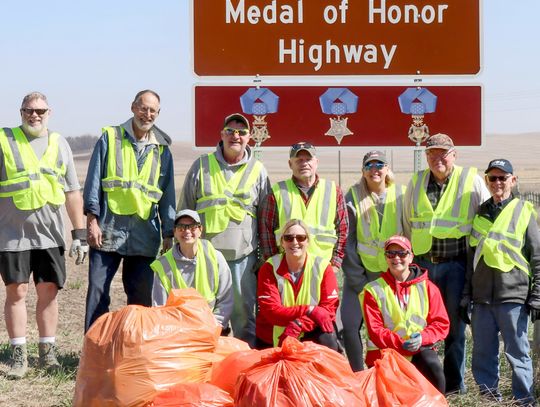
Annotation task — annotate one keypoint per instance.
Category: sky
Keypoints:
(91, 57)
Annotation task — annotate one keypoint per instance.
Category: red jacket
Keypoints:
(273, 312)
(437, 322)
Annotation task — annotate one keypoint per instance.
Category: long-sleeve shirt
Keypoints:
(437, 322)
(271, 309)
(269, 222)
(129, 235)
(239, 239)
(223, 305)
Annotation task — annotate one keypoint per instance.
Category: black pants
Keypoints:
(322, 338)
(427, 362)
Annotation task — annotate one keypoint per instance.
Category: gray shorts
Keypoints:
(46, 265)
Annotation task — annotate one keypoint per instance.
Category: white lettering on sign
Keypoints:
(406, 13)
(270, 14)
(328, 53)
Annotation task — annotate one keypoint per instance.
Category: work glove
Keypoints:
(294, 329)
(413, 343)
(322, 318)
(79, 246)
(534, 313)
(465, 310)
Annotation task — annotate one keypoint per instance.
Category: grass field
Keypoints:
(39, 389)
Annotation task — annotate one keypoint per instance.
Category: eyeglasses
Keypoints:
(147, 110)
(30, 112)
(299, 238)
(502, 178)
(229, 131)
(441, 156)
(192, 226)
(393, 253)
(374, 165)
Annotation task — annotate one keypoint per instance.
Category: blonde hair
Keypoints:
(367, 199)
(291, 223)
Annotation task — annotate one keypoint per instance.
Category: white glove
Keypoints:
(79, 246)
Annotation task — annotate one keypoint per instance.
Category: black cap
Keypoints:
(502, 164)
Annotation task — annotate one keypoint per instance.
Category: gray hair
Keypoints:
(143, 92)
(32, 96)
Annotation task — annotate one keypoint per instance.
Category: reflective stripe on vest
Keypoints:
(501, 242)
(130, 191)
(452, 218)
(319, 215)
(310, 290)
(372, 234)
(222, 201)
(403, 322)
(29, 181)
(206, 272)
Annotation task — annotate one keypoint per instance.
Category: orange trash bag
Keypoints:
(394, 381)
(132, 354)
(193, 395)
(298, 374)
(226, 372)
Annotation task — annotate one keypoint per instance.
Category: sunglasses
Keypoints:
(299, 238)
(393, 253)
(192, 226)
(229, 131)
(30, 112)
(374, 165)
(493, 178)
(301, 146)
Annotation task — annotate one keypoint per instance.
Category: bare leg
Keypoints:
(15, 309)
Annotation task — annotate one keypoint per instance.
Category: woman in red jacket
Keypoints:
(404, 311)
(297, 293)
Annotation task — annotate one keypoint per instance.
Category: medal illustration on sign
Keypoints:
(259, 102)
(417, 102)
(338, 102)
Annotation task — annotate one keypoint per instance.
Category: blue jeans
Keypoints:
(244, 285)
(511, 320)
(351, 317)
(450, 278)
(137, 278)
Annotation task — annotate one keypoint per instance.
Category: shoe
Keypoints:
(47, 357)
(19, 362)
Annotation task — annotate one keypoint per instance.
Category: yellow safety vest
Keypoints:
(30, 182)
(130, 192)
(371, 235)
(310, 290)
(501, 242)
(403, 322)
(452, 218)
(222, 201)
(319, 215)
(206, 271)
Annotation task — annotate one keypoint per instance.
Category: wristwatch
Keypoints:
(297, 322)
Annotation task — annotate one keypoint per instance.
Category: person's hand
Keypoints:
(322, 318)
(79, 245)
(94, 232)
(293, 328)
(413, 343)
(534, 313)
(464, 311)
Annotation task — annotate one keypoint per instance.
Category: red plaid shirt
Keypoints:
(269, 221)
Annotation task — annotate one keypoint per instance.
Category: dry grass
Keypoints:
(39, 389)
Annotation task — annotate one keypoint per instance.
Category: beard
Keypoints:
(142, 126)
(35, 131)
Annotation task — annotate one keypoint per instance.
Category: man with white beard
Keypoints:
(130, 206)
(37, 177)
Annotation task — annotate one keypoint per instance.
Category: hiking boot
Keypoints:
(47, 357)
(19, 362)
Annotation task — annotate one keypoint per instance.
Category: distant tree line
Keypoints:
(83, 143)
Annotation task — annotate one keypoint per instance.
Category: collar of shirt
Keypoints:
(306, 191)
(221, 158)
(155, 136)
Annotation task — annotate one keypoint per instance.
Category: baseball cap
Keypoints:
(439, 140)
(375, 155)
(187, 212)
(302, 146)
(236, 117)
(400, 241)
(501, 164)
